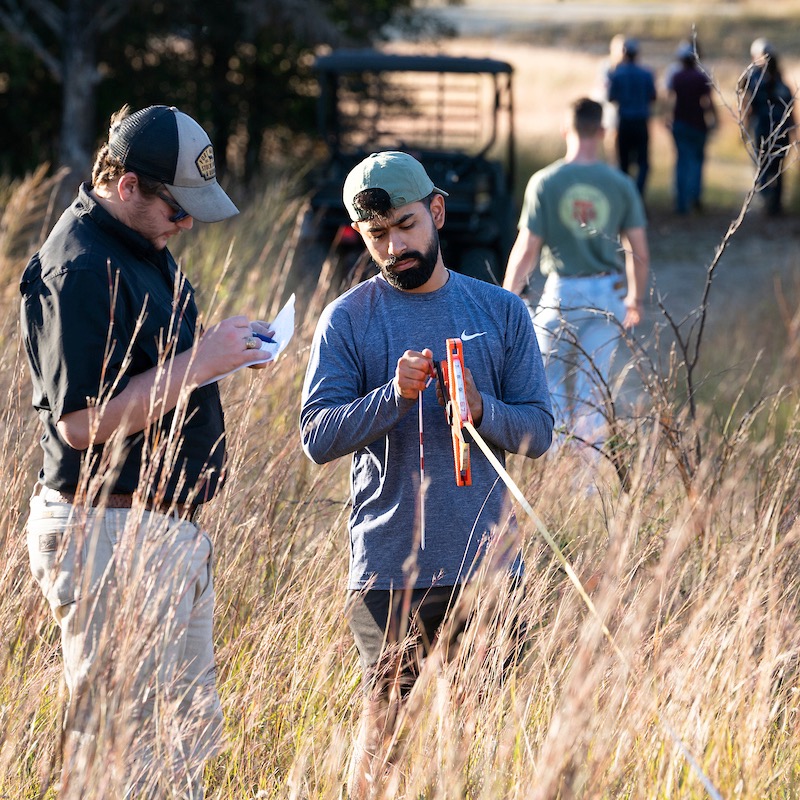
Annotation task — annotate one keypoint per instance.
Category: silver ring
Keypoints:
(251, 343)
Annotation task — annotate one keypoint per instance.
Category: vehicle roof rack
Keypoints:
(354, 60)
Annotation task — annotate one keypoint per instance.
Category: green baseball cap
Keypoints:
(400, 175)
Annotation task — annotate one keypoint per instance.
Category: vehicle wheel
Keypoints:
(481, 263)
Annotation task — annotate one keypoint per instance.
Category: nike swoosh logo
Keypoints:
(465, 337)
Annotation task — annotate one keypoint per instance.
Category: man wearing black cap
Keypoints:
(123, 383)
(371, 360)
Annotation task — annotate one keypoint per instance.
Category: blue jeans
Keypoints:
(577, 324)
(133, 595)
(769, 181)
(690, 144)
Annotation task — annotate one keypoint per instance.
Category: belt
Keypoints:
(591, 275)
(168, 508)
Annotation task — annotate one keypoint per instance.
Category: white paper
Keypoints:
(283, 330)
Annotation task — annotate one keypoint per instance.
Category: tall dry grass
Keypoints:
(696, 694)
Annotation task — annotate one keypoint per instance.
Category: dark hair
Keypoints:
(772, 68)
(587, 117)
(108, 168)
(372, 203)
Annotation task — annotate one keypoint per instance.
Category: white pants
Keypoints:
(133, 595)
(577, 324)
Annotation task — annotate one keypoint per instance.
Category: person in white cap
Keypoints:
(133, 442)
(371, 359)
(767, 105)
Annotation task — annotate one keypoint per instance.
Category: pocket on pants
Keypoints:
(51, 535)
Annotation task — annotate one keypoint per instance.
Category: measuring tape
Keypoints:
(457, 412)
(459, 418)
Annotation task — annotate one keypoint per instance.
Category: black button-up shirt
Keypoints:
(99, 305)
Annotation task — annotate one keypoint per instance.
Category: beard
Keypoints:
(417, 276)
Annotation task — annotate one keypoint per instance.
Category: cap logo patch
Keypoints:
(205, 163)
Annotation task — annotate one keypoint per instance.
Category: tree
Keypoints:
(26, 91)
(64, 37)
(238, 67)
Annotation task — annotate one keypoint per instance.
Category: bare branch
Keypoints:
(107, 16)
(50, 14)
(14, 20)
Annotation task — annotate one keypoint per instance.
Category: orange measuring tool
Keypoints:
(457, 409)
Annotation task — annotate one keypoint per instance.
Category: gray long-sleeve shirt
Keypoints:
(350, 406)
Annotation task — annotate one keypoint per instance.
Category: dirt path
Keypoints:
(760, 259)
(487, 18)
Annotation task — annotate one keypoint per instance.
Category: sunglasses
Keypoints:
(179, 212)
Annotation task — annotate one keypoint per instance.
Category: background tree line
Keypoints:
(242, 68)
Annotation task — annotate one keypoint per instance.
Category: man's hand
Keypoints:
(474, 399)
(412, 373)
(263, 329)
(633, 314)
(223, 348)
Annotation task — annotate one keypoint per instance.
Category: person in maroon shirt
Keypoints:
(692, 118)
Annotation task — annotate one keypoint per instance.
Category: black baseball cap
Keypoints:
(166, 145)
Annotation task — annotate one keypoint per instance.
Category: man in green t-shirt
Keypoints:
(575, 214)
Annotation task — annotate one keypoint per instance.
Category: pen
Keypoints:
(263, 338)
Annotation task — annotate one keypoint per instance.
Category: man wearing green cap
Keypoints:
(372, 357)
(133, 443)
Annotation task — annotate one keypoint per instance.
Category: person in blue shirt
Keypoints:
(371, 359)
(632, 89)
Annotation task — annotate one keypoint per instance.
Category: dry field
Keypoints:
(688, 529)
(690, 536)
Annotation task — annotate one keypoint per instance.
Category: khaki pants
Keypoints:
(133, 595)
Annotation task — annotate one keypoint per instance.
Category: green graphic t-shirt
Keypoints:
(579, 210)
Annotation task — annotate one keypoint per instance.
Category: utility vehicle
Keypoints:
(454, 114)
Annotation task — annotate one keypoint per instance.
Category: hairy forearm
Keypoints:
(521, 261)
(637, 265)
(155, 392)
(145, 398)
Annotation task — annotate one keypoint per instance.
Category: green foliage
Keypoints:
(240, 68)
(29, 102)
